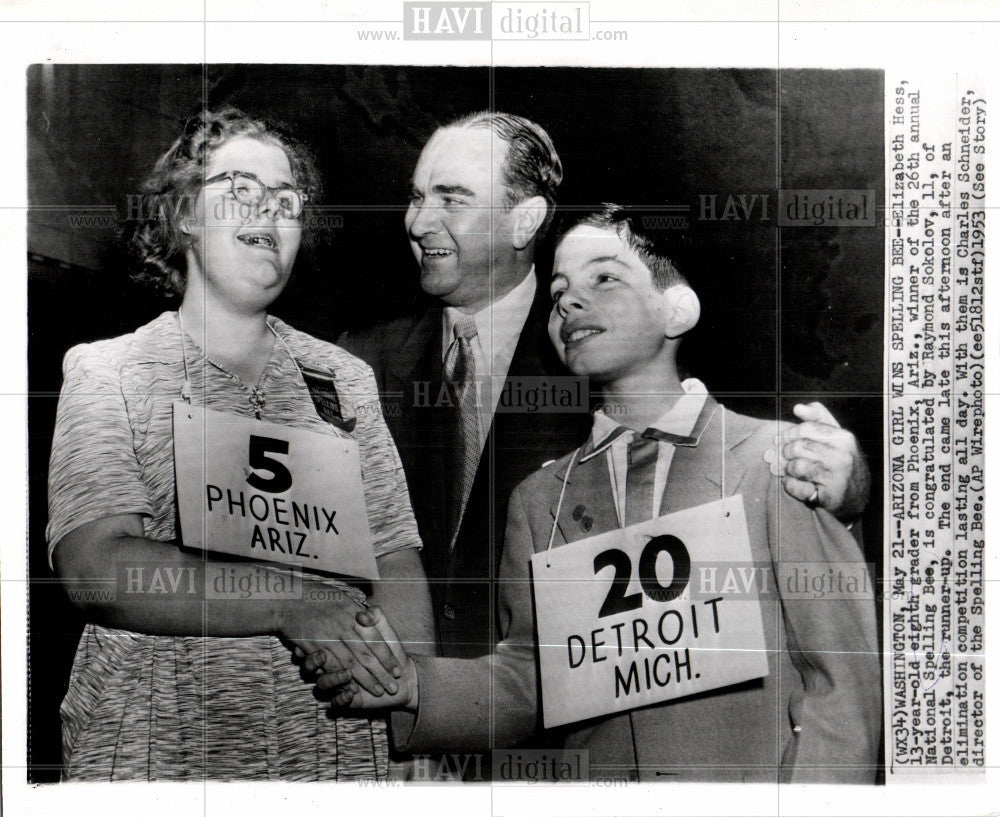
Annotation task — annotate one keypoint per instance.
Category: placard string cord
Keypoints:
(559, 504)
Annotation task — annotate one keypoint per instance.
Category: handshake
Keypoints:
(361, 665)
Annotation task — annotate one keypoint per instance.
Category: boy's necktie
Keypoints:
(460, 373)
(642, 455)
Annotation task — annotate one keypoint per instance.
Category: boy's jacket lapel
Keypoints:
(588, 507)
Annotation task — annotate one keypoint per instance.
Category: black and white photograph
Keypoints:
(460, 430)
(445, 198)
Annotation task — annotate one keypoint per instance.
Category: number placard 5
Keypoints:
(264, 491)
(281, 478)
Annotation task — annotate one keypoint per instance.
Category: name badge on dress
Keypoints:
(324, 395)
(267, 491)
(627, 619)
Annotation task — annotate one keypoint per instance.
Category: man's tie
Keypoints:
(460, 372)
(642, 455)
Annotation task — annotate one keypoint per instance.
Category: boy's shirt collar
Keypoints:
(677, 425)
(676, 422)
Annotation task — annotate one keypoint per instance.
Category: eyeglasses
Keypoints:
(249, 190)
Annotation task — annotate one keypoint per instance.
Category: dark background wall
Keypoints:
(790, 314)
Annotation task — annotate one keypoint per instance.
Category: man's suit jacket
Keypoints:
(815, 717)
(406, 356)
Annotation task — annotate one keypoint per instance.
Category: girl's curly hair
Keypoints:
(169, 192)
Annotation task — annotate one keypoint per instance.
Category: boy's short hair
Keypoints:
(651, 235)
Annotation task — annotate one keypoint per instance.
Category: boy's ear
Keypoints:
(682, 309)
(528, 217)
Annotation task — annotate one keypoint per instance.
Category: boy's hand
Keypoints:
(822, 464)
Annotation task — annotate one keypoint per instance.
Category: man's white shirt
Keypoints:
(498, 327)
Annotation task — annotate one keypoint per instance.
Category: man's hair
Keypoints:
(170, 190)
(662, 248)
(531, 167)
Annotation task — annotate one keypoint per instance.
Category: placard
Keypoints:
(267, 491)
(620, 626)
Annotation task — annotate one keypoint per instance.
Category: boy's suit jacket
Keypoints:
(406, 356)
(815, 717)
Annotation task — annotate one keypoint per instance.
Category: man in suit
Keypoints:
(621, 309)
(483, 195)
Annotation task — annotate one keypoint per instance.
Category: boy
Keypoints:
(621, 307)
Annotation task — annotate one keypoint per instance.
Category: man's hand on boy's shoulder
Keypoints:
(822, 464)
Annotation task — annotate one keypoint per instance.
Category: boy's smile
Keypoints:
(608, 317)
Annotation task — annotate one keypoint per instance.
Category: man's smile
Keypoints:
(436, 252)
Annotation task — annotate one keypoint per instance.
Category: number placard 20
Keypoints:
(604, 649)
(616, 600)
